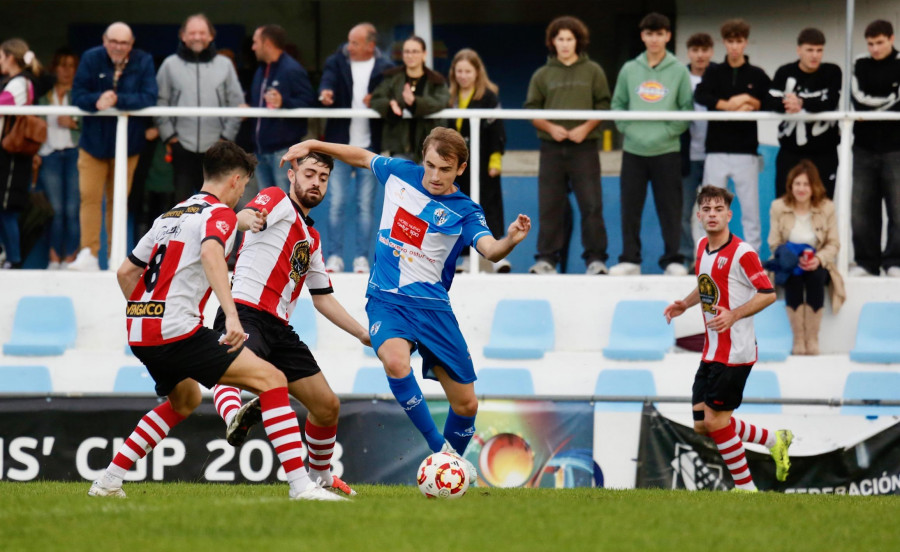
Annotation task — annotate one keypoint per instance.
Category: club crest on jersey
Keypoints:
(721, 262)
(223, 226)
(651, 91)
(440, 216)
(263, 199)
(709, 294)
(299, 261)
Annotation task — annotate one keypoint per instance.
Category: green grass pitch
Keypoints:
(179, 517)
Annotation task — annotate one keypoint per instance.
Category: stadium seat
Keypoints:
(774, 338)
(522, 328)
(877, 337)
(874, 386)
(134, 379)
(504, 381)
(639, 331)
(25, 379)
(303, 320)
(762, 384)
(371, 380)
(633, 382)
(43, 326)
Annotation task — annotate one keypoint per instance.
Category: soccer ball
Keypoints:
(442, 475)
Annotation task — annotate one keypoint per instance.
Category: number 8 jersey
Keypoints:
(167, 303)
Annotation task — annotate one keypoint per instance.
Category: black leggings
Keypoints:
(813, 283)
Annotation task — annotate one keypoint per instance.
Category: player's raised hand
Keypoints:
(519, 229)
(723, 320)
(252, 220)
(297, 151)
(677, 308)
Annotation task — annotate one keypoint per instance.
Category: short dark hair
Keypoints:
(224, 157)
(573, 25)
(655, 22)
(209, 25)
(418, 39)
(60, 54)
(320, 158)
(879, 27)
(811, 36)
(448, 143)
(274, 34)
(709, 193)
(735, 28)
(700, 40)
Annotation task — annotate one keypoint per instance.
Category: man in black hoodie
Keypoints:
(735, 85)
(876, 155)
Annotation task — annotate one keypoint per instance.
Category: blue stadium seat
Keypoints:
(371, 381)
(303, 320)
(639, 331)
(877, 335)
(134, 379)
(522, 328)
(25, 379)
(762, 384)
(872, 385)
(632, 382)
(43, 326)
(504, 381)
(774, 338)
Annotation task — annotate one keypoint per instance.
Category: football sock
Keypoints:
(283, 431)
(152, 429)
(732, 451)
(227, 401)
(320, 442)
(458, 430)
(749, 433)
(409, 395)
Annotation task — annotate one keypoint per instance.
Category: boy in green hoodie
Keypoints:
(653, 81)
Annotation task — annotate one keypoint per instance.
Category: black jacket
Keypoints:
(721, 83)
(876, 87)
(820, 91)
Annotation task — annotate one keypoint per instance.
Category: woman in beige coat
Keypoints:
(805, 216)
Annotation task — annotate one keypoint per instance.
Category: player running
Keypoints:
(281, 254)
(167, 280)
(425, 223)
(731, 288)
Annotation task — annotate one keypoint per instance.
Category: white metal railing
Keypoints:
(118, 251)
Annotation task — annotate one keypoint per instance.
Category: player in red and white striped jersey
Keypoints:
(731, 287)
(167, 280)
(282, 252)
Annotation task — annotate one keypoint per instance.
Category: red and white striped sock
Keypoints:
(732, 450)
(283, 431)
(152, 429)
(320, 441)
(227, 401)
(749, 433)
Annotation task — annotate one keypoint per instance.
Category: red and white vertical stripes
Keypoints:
(749, 433)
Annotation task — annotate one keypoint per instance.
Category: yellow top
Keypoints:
(496, 160)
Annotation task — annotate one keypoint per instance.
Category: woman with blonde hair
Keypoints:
(803, 224)
(470, 88)
(20, 66)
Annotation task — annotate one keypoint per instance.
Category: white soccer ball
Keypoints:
(442, 475)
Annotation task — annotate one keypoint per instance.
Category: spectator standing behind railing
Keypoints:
(731, 146)
(876, 155)
(20, 66)
(113, 75)
(653, 81)
(58, 175)
(470, 88)
(196, 76)
(807, 86)
(803, 223)
(350, 76)
(411, 89)
(280, 82)
(569, 154)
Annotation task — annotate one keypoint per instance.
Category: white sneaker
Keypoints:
(542, 267)
(596, 267)
(470, 467)
(625, 269)
(334, 264)
(503, 266)
(360, 265)
(858, 271)
(97, 489)
(85, 262)
(317, 492)
(676, 269)
(894, 272)
(54, 265)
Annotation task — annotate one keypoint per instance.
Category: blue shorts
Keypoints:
(434, 332)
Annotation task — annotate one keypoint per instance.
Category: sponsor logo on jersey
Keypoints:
(440, 216)
(263, 199)
(223, 226)
(481, 220)
(177, 212)
(375, 327)
(709, 293)
(408, 228)
(721, 262)
(145, 309)
(652, 91)
(299, 261)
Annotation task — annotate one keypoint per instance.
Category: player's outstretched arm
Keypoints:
(678, 307)
(352, 155)
(252, 220)
(212, 257)
(128, 276)
(331, 308)
(495, 250)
